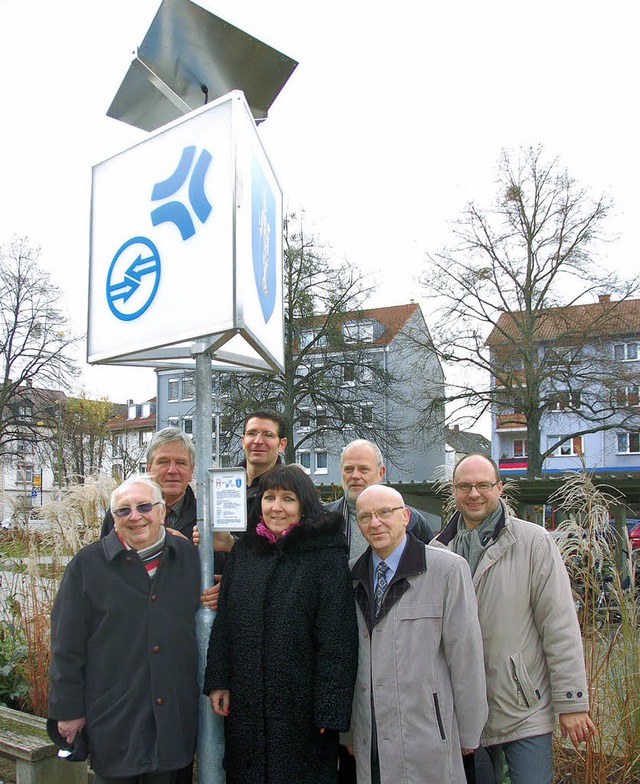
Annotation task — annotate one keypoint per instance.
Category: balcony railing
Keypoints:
(511, 420)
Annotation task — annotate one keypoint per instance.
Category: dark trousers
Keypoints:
(167, 777)
(346, 766)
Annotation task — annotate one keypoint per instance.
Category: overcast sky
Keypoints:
(394, 118)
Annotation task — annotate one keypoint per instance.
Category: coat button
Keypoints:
(579, 694)
(128, 560)
(569, 695)
(156, 649)
(159, 701)
(154, 598)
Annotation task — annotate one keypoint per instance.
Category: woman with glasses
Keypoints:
(283, 650)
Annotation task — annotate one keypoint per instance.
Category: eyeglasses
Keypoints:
(125, 511)
(384, 514)
(482, 487)
(268, 435)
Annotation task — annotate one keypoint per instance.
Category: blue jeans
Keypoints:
(529, 760)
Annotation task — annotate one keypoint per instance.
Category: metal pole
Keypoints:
(210, 728)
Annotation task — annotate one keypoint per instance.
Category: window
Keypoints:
(625, 352)
(118, 445)
(173, 421)
(629, 443)
(132, 411)
(173, 389)
(24, 474)
(25, 447)
(569, 448)
(349, 375)
(366, 414)
(520, 447)
(188, 388)
(566, 400)
(147, 435)
(307, 336)
(187, 425)
(358, 331)
(627, 396)
(322, 461)
(321, 417)
(305, 419)
(25, 411)
(146, 410)
(304, 458)
(349, 414)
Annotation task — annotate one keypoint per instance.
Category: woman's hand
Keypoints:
(219, 699)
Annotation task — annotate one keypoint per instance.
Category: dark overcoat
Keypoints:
(124, 655)
(284, 642)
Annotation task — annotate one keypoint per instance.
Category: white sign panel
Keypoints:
(228, 499)
(186, 243)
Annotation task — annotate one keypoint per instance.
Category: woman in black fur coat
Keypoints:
(283, 650)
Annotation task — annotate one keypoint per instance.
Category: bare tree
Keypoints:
(327, 366)
(35, 343)
(516, 323)
(85, 439)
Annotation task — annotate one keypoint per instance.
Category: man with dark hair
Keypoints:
(533, 653)
(263, 442)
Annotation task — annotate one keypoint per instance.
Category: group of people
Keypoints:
(349, 643)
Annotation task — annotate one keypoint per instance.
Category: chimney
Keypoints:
(456, 428)
(604, 298)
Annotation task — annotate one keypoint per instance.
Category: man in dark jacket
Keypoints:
(362, 465)
(123, 648)
(171, 458)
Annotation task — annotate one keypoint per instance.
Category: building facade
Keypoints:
(393, 339)
(589, 361)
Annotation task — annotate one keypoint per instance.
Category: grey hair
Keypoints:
(167, 436)
(137, 479)
(364, 442)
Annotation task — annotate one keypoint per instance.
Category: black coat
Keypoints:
(284, 642)
(124, 655)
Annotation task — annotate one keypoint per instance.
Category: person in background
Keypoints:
(283, 650)
(123, 648)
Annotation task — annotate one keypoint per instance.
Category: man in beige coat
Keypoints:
(532, 644)
(420, 700)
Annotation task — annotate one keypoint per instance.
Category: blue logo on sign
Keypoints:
(134, 274)
(238, 482)
(264, 240)
(133, 278)
(174, 211)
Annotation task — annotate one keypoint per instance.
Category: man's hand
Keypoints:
(578, 726)
(222, 541)
(210, 595)
(69, 729)
(219, 699)
(467, 751)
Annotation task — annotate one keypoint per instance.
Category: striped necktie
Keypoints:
(381, 584)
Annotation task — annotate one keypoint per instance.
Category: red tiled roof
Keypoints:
(393, 318)
(573, 322)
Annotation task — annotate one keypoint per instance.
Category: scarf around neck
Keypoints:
(471, 543)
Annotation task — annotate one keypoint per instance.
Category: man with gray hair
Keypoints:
(171, 458)
(362, 465)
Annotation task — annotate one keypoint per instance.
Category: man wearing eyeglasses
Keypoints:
(263, 442)
(419, 701)
(123, 647)
(532, 645)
